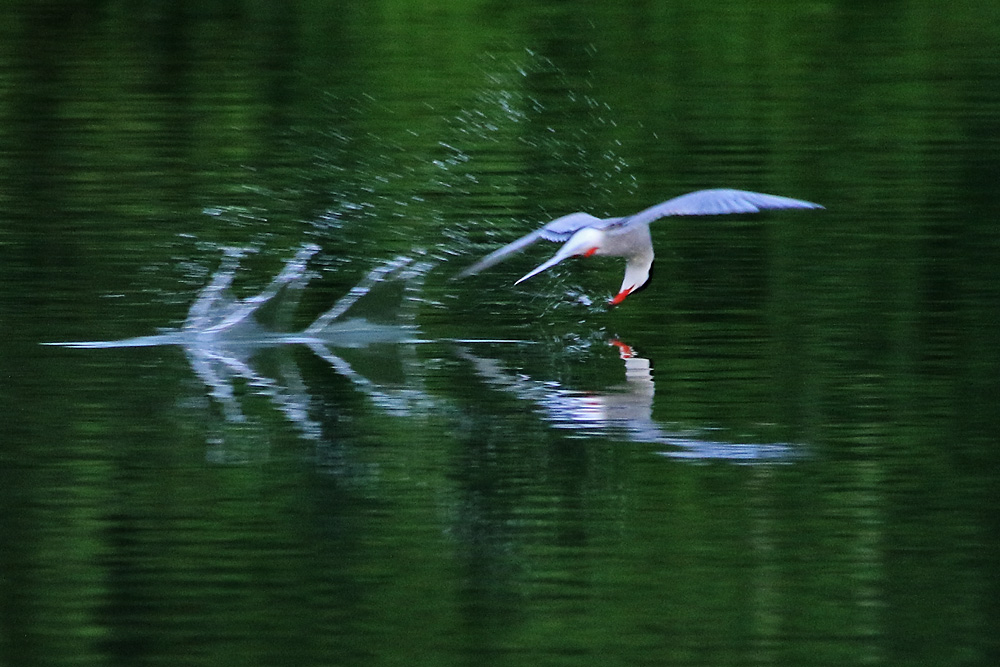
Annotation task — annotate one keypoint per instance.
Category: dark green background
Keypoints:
(139, 527)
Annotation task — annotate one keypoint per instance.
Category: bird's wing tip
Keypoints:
(464, 273)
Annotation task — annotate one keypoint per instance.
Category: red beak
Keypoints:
(618, 298)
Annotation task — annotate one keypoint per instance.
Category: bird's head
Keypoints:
(637, 270)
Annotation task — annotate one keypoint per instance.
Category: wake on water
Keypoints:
(217, 318)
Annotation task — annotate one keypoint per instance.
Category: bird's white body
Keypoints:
(633, 243)
(628, 237)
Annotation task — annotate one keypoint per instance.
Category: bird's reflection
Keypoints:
(624, 410)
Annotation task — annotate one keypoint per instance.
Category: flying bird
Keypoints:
(583, 235)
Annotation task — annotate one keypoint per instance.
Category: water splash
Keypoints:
(221, 335)
(217, 319)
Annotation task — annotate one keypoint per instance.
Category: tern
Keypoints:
(584, 235)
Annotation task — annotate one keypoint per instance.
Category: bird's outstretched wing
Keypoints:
(702, 202)
(559, 230)
(715, 202)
